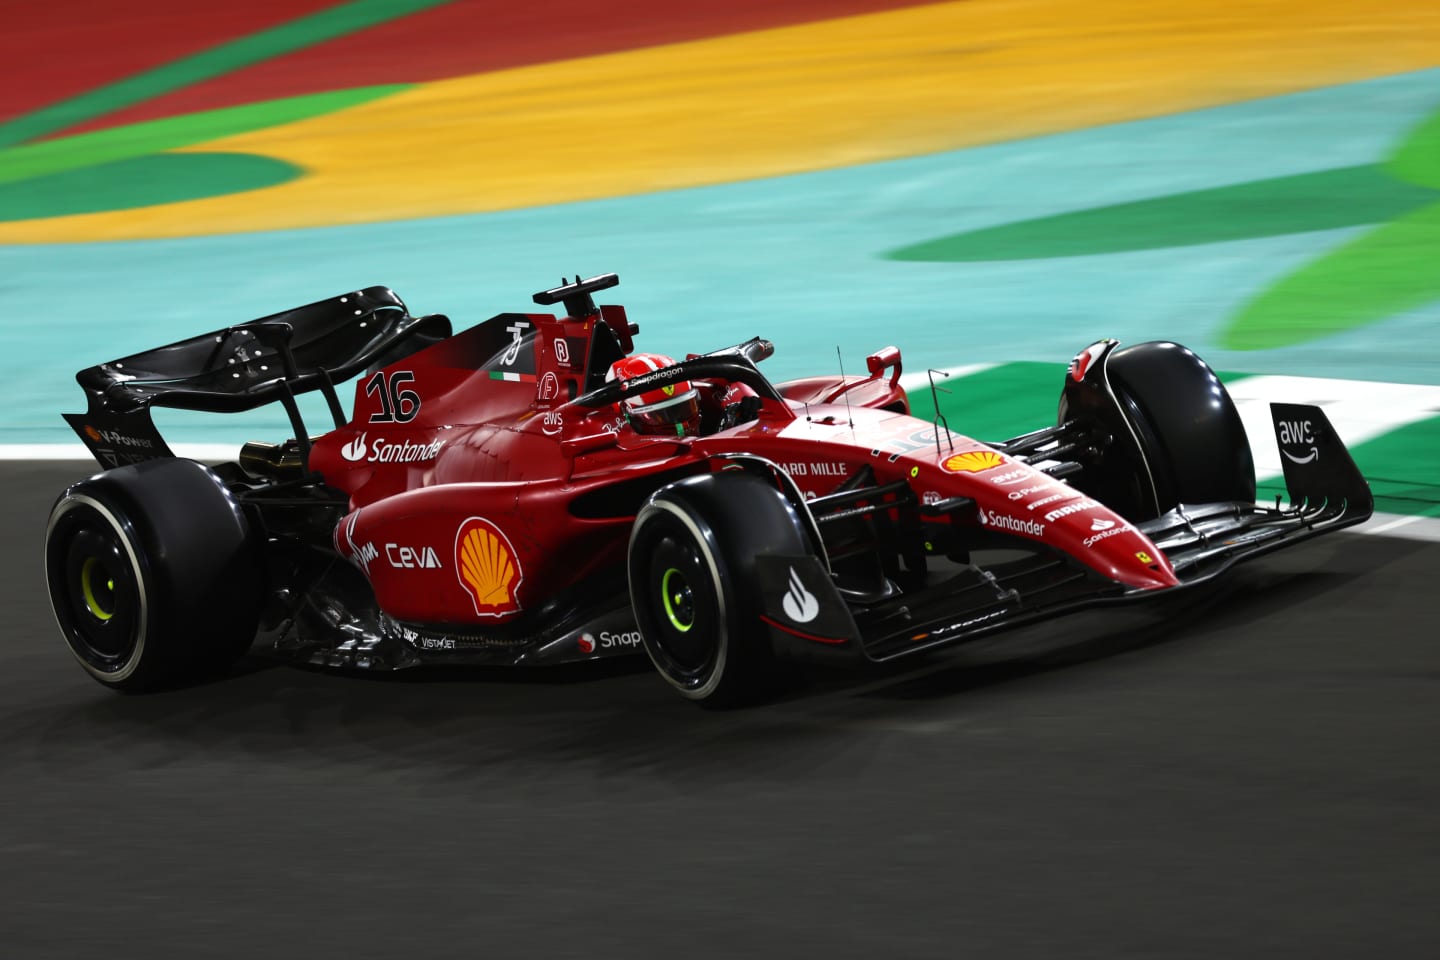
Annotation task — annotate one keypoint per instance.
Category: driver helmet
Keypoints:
(671, 409)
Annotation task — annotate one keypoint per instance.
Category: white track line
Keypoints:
(208, 452)
(1359, 410)
(913, 381)
(1402, 527)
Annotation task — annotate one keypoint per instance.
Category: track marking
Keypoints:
(207, 452)
(1359, 410)
(914, 382)
(1401, 527)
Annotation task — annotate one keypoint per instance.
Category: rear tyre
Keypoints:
(694, 588)
(1189, 430)
(154, 574)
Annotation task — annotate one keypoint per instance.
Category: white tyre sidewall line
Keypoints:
(142, 623)
(717, 672)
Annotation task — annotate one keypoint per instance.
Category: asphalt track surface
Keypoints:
(1252, 773)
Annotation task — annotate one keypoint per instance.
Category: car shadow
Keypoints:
(1088, 639)
(460, 724)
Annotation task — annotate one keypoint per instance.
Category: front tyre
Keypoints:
(154, 575)
(1191, 435)
(693, 583)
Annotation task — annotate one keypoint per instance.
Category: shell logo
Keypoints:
(91, 432)
(973, 461)
(486, 566)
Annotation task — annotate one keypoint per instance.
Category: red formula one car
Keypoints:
(532, 491)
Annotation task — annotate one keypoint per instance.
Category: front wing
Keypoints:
(1201, 541)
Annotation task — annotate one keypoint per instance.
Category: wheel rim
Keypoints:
(98, 588)
(679, 599)
(676, 600)
(95, 588)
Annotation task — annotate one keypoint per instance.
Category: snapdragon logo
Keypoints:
(1001, 521)
(608, 640)
(587, 642)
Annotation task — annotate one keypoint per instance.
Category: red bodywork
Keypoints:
(479, 489)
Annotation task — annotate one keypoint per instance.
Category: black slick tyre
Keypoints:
(154, 575)
(1188, 429)
(694, 588)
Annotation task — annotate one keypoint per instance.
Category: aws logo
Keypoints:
(486, 565)
(973, 461)
(1298, 433)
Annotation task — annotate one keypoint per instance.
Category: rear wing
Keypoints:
(269, 360)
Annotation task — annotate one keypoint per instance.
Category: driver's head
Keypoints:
(673, 409)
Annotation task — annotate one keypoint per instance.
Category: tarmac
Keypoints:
(1250, 773)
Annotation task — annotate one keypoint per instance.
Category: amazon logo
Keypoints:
(1298, 433)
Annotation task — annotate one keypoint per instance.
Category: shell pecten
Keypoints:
(486, 565)
(973, 461)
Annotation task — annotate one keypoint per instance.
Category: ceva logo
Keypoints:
(799, 604)
(355, 450)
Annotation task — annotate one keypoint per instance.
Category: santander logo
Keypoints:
(390, 451)
(799, 604)
(355, 450)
